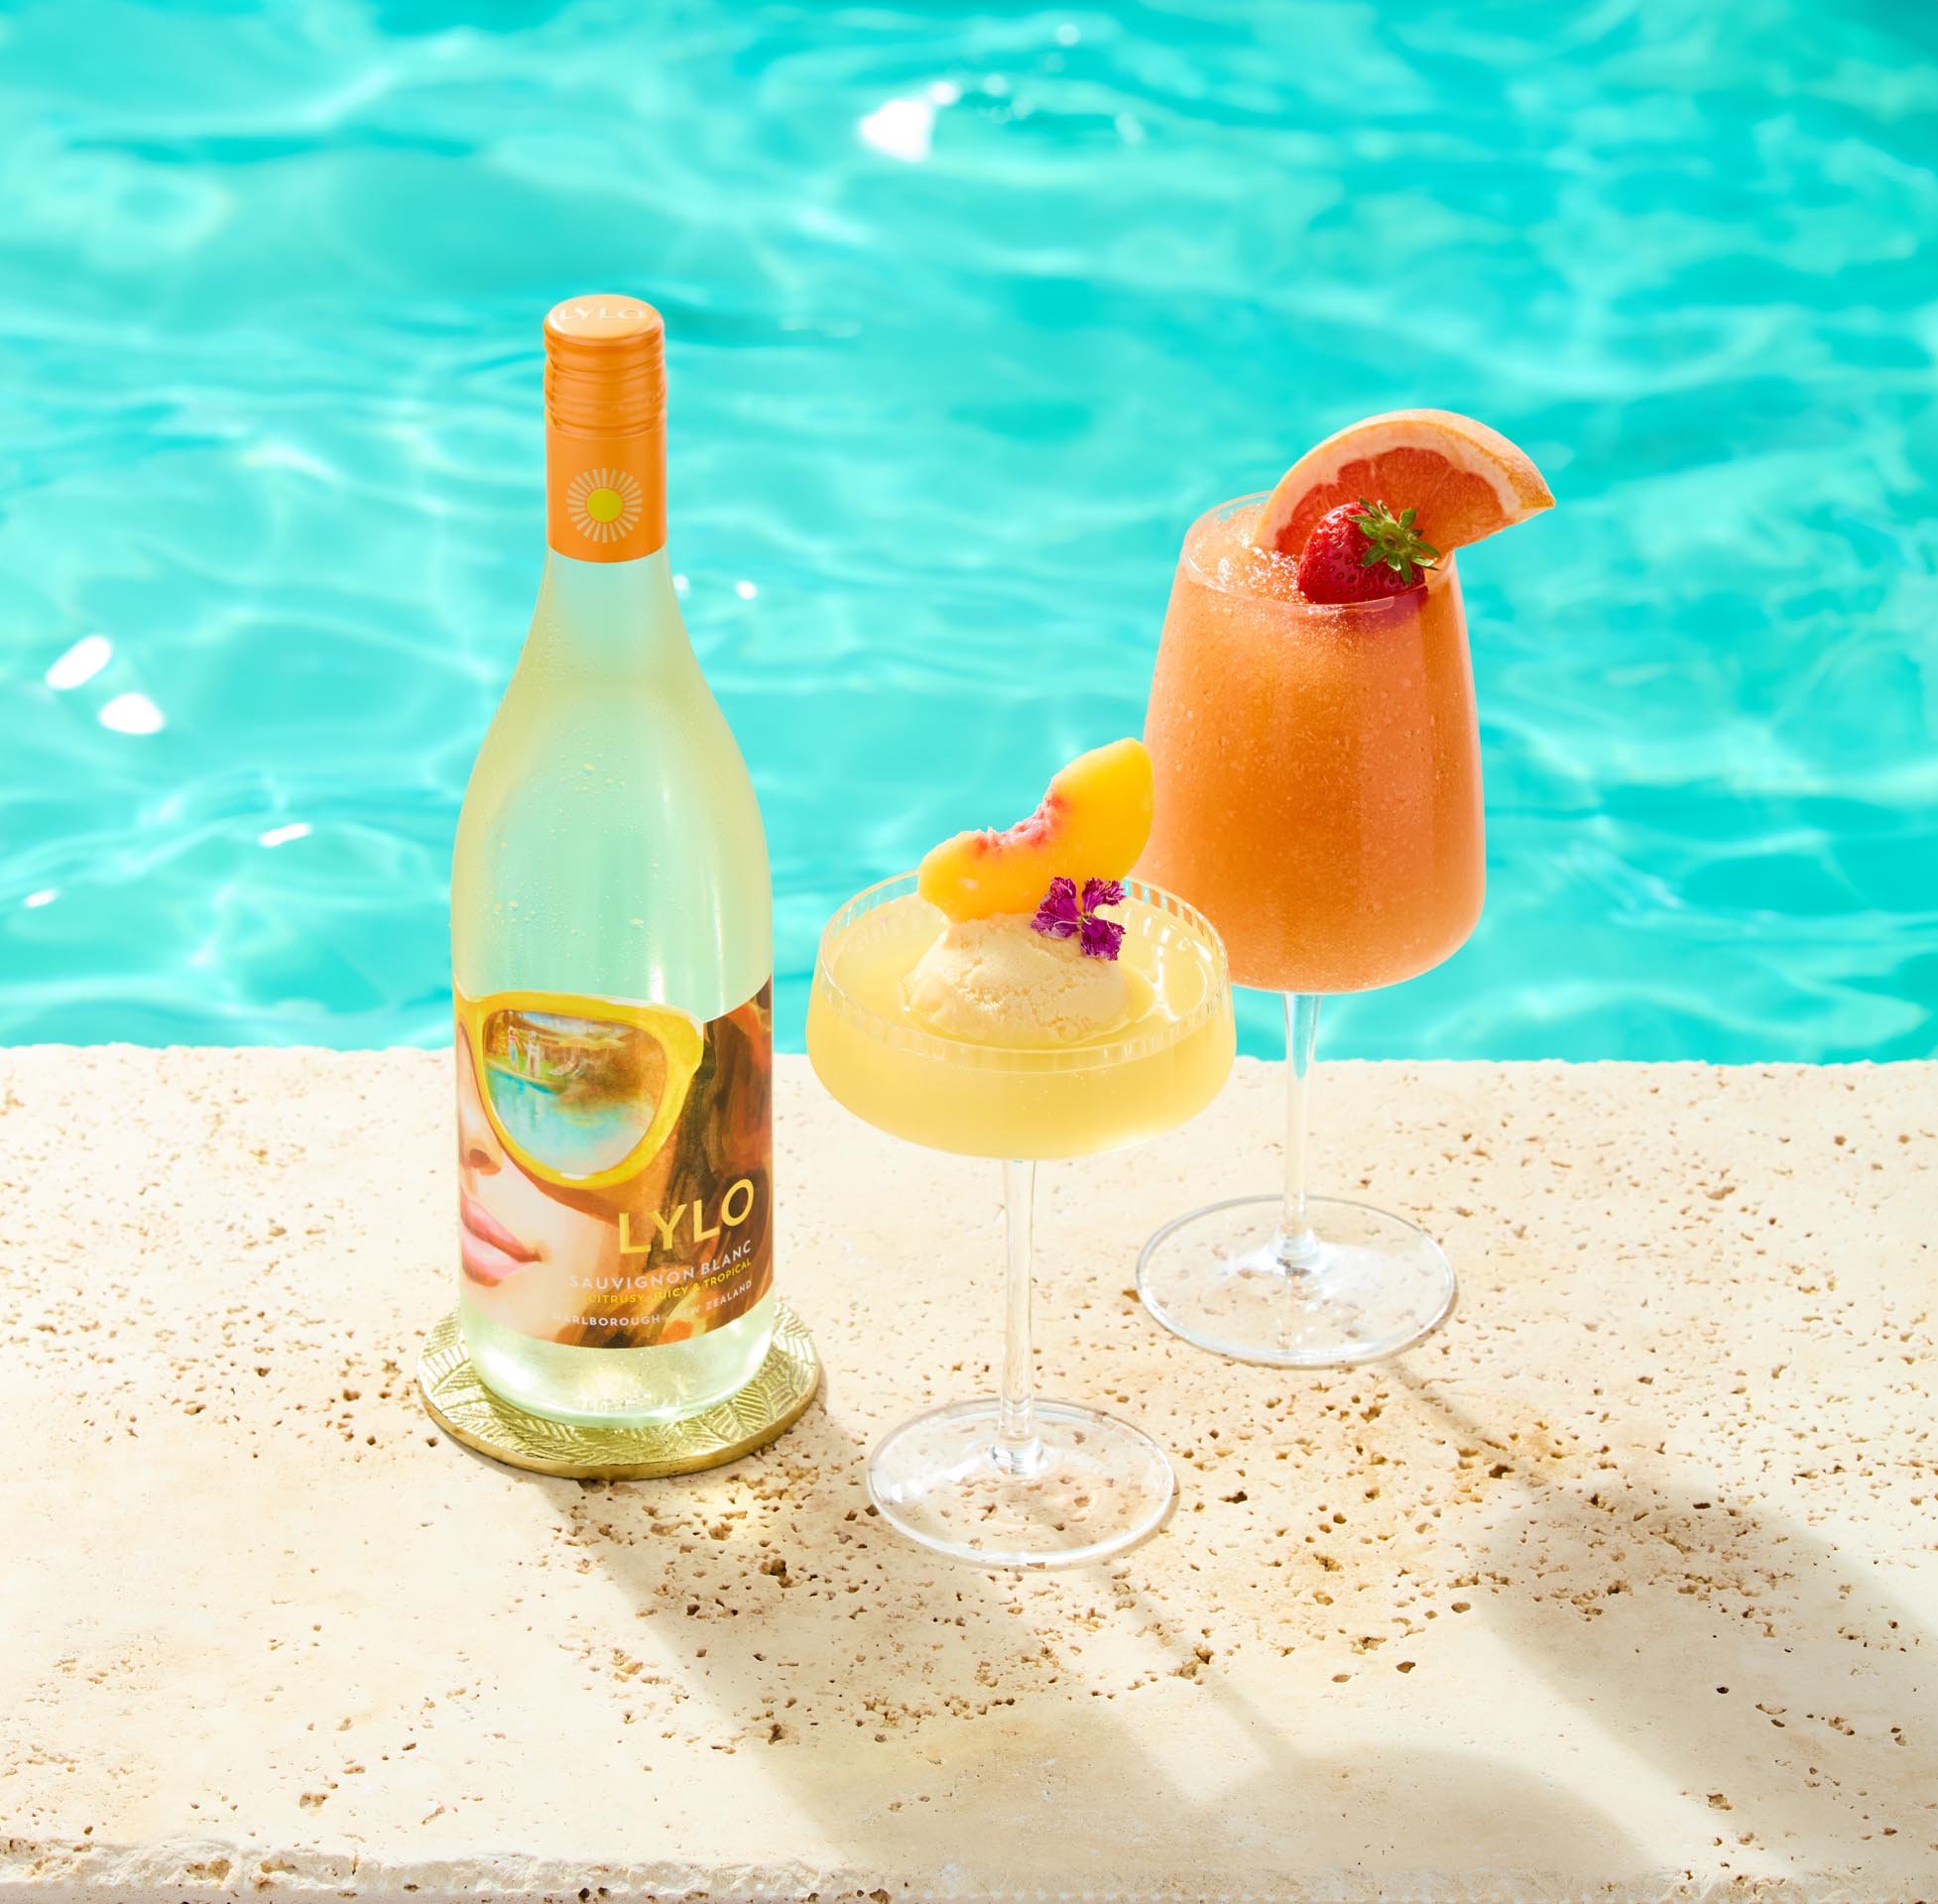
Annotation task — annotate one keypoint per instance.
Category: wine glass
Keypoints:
(1013, 1480)
(1318, 794)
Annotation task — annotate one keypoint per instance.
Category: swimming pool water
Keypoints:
(970, 315)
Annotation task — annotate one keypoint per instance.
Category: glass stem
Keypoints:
(1295, 1246)
(1018, 1450)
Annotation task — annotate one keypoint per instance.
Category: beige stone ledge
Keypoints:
(1621, 1588)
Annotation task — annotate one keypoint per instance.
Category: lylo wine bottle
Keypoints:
(612, 953)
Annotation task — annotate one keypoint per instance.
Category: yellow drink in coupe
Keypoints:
(1161, 1064)
(1017, 999)
(611, 951)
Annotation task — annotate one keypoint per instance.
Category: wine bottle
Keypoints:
(612, 953)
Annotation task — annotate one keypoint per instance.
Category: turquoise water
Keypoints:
(971, 313)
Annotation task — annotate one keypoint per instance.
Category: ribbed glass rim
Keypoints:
(1022, 1059)
(1314, 611)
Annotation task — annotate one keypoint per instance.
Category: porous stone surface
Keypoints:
(1621, 1586)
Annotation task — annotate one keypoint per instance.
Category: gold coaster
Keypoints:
(751, 1417)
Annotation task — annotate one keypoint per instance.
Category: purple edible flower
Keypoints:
(1059, 916)
(1101, 937)
(1062, 917)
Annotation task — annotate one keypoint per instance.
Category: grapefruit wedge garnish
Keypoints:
(1465, 480)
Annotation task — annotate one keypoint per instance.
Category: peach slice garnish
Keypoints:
(1092, 825)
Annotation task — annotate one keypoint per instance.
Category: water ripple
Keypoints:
(970, 313)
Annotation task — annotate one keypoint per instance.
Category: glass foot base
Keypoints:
(1373, 1286)
(1091, 1486)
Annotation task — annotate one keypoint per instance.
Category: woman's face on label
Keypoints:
(519, 1246)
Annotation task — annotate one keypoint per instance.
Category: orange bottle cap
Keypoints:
(605, 428)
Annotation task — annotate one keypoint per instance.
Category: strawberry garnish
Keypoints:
(1361, 551)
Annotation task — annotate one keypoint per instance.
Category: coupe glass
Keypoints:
(1318, 795)
(1011, 1479)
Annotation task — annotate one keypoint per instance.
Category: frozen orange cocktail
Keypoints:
(1318, 772)
(1317, 794)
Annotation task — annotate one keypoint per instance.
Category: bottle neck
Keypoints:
(606, 601)
(607, 615)
(605, 493)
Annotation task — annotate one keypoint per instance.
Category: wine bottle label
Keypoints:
(615, 1184)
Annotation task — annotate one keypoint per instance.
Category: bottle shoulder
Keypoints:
(610, 843)
(643, 756)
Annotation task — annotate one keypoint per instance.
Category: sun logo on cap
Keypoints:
(604, 504)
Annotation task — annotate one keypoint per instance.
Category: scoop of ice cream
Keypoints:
(998, 981)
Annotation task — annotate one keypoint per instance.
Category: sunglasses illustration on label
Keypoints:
(613, 1166)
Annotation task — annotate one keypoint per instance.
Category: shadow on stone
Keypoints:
(1745, 1659)
(1057, 1723)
